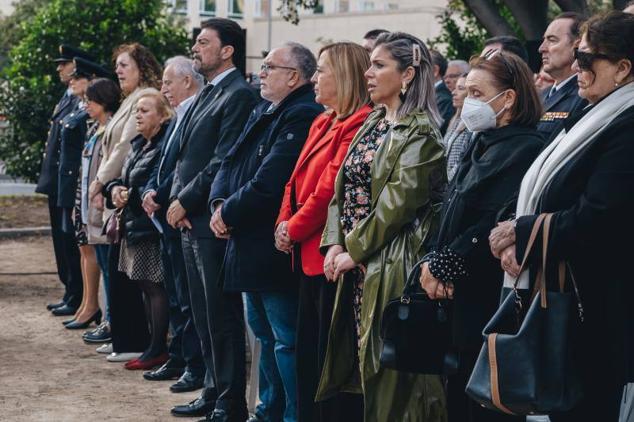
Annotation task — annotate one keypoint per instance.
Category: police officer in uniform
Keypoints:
(557, 49)
(64, 244)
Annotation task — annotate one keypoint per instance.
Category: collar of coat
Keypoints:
(305, 89)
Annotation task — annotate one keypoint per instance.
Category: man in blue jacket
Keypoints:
(245, 200)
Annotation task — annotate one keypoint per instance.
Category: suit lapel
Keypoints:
(324, 137)
(560, 94)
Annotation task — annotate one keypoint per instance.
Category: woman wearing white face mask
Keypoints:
(504, 108)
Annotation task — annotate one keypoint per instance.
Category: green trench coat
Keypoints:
(407, 169)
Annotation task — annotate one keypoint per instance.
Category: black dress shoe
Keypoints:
(221, 415)
(187, 382)
(52, 306)
(169, 371)
(100, 334)
(255, 418)
(76, 325)
(64, 310)
(199, 407)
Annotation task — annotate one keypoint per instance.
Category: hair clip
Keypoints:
(416, 55)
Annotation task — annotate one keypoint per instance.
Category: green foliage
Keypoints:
(29, 87)
(289, 9)
(461, 34)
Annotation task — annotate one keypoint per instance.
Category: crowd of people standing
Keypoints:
(195, 196)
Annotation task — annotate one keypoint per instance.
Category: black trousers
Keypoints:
(185, 345)
(128, 323)
(316, 302)
(462, 408)
(601, 402)
(219, 320)
(67, 255)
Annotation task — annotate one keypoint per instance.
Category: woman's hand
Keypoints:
(283, 241)
(502, 237)
(343, 264)
(509, 262)
(329, 261)
(95, 188)
(97, 202)
(434, 288)
(119, 196)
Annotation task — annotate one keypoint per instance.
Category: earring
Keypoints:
(403, 88)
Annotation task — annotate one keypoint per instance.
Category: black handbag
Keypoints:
(416, 331)
(525, 366)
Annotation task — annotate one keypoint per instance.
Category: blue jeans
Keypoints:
(273, 318)
(102, 259)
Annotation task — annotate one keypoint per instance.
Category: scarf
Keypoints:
(564, 148)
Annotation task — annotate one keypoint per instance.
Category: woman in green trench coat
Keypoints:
(386, 196)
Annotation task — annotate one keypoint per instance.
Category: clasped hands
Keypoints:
(176, 216)
(218, 226)
(502, 244)
(338, 262)
(120, 196)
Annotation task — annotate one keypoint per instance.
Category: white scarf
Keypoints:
(565, 147)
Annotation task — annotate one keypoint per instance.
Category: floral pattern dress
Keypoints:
(358, 197)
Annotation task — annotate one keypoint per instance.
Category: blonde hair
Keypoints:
(349, 62)
(162, 105)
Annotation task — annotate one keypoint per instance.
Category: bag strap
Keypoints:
(529, 247)
(495, 385)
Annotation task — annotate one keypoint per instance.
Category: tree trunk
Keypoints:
(531, 16)
(619, 4)
(488, 15)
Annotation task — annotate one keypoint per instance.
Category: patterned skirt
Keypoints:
(81, 231)
(142, 261)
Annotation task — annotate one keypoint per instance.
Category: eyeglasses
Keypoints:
(585, 59)
(266, 68)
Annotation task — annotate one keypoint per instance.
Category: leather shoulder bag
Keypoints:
(525, 366)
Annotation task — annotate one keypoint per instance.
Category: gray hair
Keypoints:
(420, 94)
(304, 59)
(463, 67)
(184, 66)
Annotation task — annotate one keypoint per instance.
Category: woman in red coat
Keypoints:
(341, 88)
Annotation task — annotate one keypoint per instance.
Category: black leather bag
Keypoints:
(416, 331)
(525, 365)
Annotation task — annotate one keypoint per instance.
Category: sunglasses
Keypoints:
(585, 59)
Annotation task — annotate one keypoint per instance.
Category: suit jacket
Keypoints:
(73, 138)
(563, 102)
(251, 182)
(592, 198)
(162, 177)
(313, 182)
(47, 182)
(210, 128)
(445, 105)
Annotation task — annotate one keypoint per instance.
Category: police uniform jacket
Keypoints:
(47, 182)
(558, 106)
(73, 138)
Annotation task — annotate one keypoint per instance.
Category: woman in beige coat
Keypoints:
(139, 73)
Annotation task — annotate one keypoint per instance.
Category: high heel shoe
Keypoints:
(76, 325)
(147, 364)
(68, 321)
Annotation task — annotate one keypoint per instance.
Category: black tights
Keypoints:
(156, 311)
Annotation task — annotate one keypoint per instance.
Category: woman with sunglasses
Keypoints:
(585, 177)
(503, 107)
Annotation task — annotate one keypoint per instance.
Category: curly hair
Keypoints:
(150, 71)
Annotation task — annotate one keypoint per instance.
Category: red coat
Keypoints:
(314, 180)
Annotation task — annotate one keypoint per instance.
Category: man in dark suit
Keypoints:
(180, 86)
(209, 129)
(64, 244)
(443, 95)
(246, 197)
(557, 49)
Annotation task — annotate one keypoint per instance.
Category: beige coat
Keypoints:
(116, 141)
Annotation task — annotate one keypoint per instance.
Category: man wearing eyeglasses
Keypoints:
(245, 199)
(557, 50)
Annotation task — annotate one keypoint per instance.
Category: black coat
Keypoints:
(592, 198)
(251, 181)
(483, 191)
(557, 108)
(73, 138)
(162, 177)
(444, 101)
(136, 172)
(47, 182)
(210, 128)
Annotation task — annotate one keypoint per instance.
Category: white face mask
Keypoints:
(478, 115)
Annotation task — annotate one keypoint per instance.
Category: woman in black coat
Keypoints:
(503, 107)
(585, 177)
(139, 256)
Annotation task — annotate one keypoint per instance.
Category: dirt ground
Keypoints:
(23, 211)
(47, 373)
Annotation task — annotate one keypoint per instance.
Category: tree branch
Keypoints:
(619, 4)
(579, 6)
(488, 15)
(531, 16)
